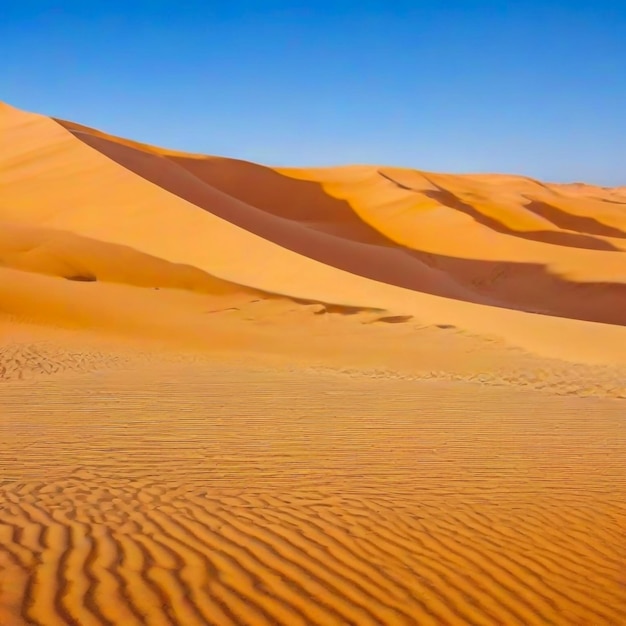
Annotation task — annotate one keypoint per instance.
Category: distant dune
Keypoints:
(240, 394)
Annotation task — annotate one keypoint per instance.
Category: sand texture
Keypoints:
(239, 394)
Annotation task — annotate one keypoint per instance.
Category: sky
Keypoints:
(532, 87)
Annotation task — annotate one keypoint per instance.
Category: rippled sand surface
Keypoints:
(190, 493)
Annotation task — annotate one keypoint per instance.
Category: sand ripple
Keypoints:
(191, 495)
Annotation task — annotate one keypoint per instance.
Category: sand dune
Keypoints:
(325, 235)
(240, 394)
(302, 216)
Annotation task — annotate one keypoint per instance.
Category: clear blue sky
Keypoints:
(535, 87)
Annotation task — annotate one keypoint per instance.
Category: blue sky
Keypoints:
(529, 87)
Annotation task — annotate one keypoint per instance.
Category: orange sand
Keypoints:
(236, 394)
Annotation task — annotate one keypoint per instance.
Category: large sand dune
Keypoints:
(240, 394)
(366, 237)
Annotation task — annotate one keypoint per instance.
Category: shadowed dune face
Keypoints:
(578, 223)
(300, 201)
(299, 215)
(567, 239)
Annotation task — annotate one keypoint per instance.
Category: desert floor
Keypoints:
(141, 485)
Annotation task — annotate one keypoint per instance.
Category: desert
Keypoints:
(239, 394)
